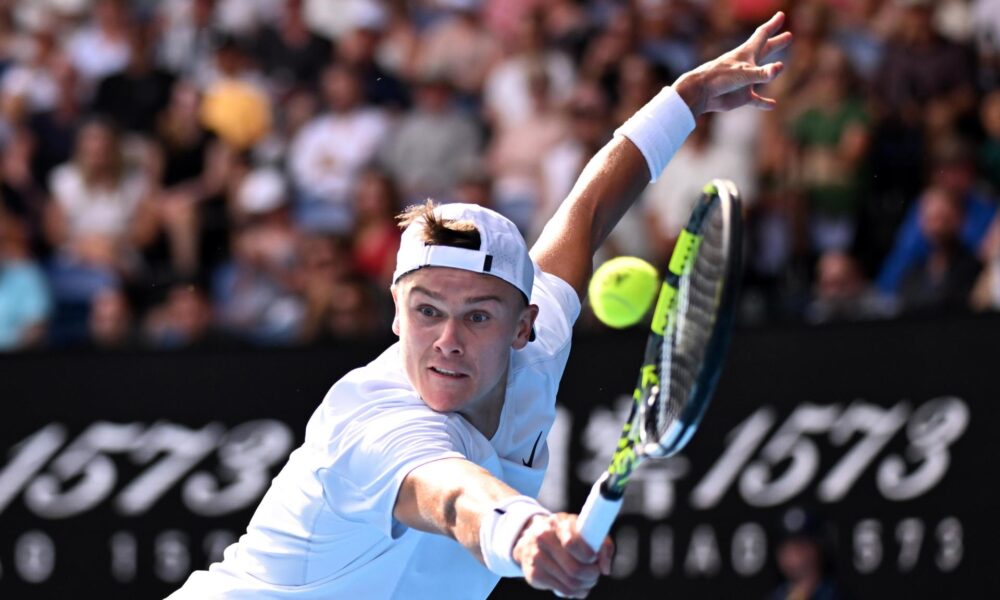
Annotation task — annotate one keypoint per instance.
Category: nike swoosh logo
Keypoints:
(531, 458)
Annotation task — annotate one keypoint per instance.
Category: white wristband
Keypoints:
(659, 128)
(500, 530)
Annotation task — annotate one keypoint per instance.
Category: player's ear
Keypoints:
(395, 314)
(525, 326)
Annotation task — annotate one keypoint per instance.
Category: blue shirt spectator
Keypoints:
(24, 303)
(912, 247)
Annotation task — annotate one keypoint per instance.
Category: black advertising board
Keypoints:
(122, 472)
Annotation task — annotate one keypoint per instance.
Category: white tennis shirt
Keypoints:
(325, 527)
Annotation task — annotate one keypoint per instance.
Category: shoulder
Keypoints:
(314, 129)
(374, 409)
(65, 176)
(558, 309)
(66, 183)
(372, 118)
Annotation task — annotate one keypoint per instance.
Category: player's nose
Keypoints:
(449, 340)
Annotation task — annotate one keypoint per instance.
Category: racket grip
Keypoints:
(598, 515)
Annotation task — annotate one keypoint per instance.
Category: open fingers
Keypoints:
(775, 44)
(763, 33)
(743, 96)
(762, 102)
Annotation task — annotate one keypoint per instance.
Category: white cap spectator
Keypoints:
(369, 15)
(332, 22)
(262, 191)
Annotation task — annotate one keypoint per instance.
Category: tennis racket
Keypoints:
(685, 350)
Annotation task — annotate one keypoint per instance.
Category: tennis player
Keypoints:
(419, 470)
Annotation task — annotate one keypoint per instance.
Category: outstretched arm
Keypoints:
(618, 173)
(501, 528)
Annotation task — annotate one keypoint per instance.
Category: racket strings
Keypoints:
(685, 344)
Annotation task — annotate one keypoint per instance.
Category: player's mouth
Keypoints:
(448, 373)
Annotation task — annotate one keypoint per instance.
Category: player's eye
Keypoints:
(479, 317)
(427, 311)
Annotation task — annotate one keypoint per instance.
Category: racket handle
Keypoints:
(598, 515)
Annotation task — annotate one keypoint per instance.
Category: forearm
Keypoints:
(607, 187)
(511, 534)
(450, 497)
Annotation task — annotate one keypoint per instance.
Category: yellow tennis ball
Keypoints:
(622, 290)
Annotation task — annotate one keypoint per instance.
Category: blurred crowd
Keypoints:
(184, 172)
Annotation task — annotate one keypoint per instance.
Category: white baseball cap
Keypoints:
(502, 252)
(262, 191)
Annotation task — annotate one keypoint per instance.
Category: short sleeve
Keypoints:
(558, 309)
(65, 185)
(374, 453)
(36, 303)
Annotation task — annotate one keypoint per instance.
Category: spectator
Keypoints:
(638, 81)
(21, 191)
(32, 74)
(568, 26)
(100, 216)
(288, 51)
(861, 28)
(603, 55)
(475, 187)
(400, 40)
(184, 319)
(329, 152)
(25, 304)
(923, 88)
(986, 293)
(701, 158)
(985, 18)
(101, 48)
(830, 130)
(952, 168)
(236, 106)
(110, 321)
(334, 24)
(55, 130)
(192, 169)
(804, 560)
(358, 49)
(376, 234)
(459, 48)
(337, 303)
(254, 292)
(513, 155)
(507, 95)
(840, 292)
(504, 17)
(433, 144)
(662, 36)
(989, 152)
(943, 282)
(137, 94)
(188, 41)
(589, 119)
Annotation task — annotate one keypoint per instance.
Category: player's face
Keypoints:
(457, 329)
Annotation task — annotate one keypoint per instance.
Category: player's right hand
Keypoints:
(554, 557)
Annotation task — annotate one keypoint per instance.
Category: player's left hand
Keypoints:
(553, 556)
(728, 81)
